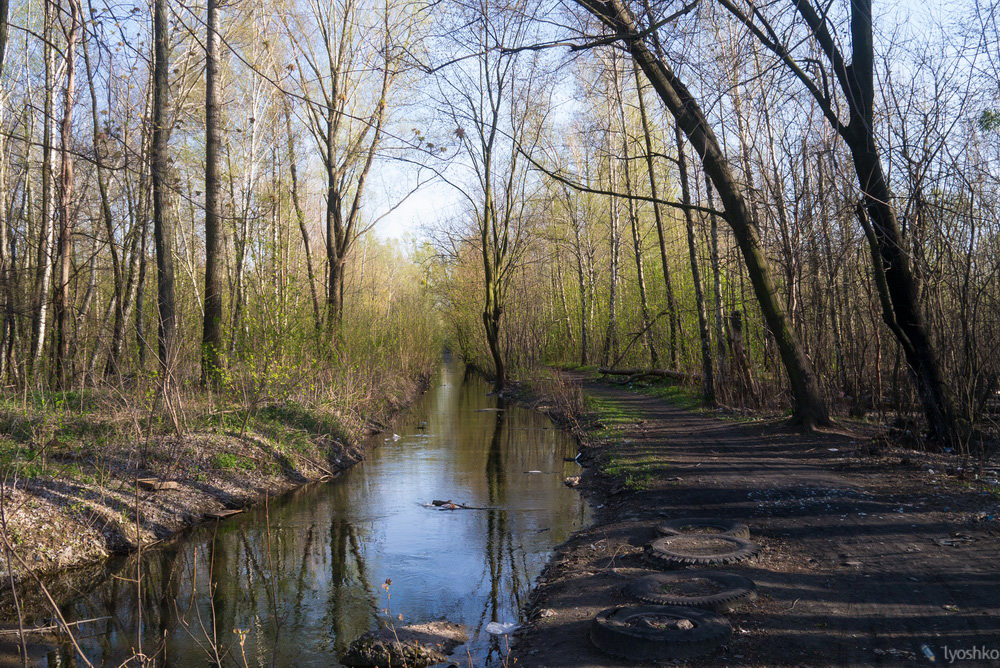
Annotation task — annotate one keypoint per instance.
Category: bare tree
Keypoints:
(211, 340)
(707, 377)
(162, 226)
(497, 107)
(67, 216)
(348, 57)
(809, 407)
(668, 284)
(43, 275)
(855, 79)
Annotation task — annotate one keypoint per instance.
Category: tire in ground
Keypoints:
(709, 525)
(710, 590)
(699, 550)
(658, 632)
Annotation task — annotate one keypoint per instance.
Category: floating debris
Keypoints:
(501, 628)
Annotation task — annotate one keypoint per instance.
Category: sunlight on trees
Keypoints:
(781, 207)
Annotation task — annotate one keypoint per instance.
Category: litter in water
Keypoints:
(501, 628)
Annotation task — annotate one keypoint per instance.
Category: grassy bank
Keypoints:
(70, 461)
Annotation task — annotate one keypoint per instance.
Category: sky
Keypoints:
(438, 201)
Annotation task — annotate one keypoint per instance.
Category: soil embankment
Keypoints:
(77, 502)
(868, 553)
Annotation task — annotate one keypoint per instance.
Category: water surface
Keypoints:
(298, 593)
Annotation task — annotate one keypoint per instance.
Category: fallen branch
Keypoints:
(658, 373)
(48, 629)
(448, 505)
(637, 335)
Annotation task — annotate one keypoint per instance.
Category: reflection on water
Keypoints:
(293, 584)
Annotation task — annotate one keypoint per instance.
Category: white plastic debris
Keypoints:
(502, 628)
(396, 437)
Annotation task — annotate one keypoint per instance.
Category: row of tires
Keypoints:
(683, 620)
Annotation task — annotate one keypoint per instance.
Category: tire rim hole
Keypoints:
(701, 528)
(662, 622)
(701, 544)
(692, 587)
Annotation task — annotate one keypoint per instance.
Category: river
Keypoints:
(293, 583)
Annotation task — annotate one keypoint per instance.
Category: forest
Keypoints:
(238, 239)
(783, 206)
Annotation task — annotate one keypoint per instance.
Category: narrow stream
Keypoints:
(298, 594)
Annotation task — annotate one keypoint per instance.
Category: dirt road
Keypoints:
(866, 557)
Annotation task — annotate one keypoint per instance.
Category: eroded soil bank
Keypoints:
(75, 501)
(868, 552)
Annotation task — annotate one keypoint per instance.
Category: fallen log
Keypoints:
(659, 373)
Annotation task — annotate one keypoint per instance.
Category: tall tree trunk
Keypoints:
(300, 216)
(142, 344)
(707, 378)
(66, 213)
(334, 232)
(6, 275)
(672, 314)
(581, 279)
(163, 233)
(633, 216)
(4, 14)
(610, 351)
(809, 407)
(17, 268)
(897, 291)
(560, 287)
(493, 301)
(45, 236)
(895, 282)
(211, 340)
(647, 325)
(720, 327)
(117, 275)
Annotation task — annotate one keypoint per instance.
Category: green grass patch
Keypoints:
(86, 400)
(227, 461)
(687, 398)
(677, 395)
(573, 366)
(297, 416)
(638, 472)
(606, 417)
(291, 426)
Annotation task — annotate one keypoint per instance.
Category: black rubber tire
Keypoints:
(715, 526)
(735, 590)
(699, 550)
(612, 633)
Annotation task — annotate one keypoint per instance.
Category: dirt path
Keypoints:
(866, 557)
